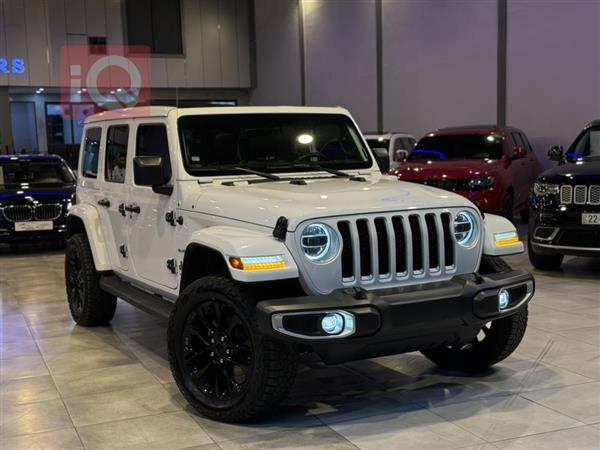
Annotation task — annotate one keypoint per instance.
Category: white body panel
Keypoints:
(236, 220)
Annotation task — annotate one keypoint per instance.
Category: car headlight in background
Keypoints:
(319, 242)
(481, 183)
(465, 228)
(545, 188)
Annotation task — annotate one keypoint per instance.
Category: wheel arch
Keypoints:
(85, 219)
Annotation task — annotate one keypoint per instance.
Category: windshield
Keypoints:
(217, 144)
(14, 173)
(378, 143)
(587, 145)
(457, 146)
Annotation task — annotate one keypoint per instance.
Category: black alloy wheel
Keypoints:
(75, 286)
(217, 354)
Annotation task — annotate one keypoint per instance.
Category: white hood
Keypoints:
(263, 203)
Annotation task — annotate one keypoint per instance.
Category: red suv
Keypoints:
(493, 167)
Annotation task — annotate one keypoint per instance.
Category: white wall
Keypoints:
(553, 69)
(341, 57)
(216, 40)
(439, 63)
(277, 53)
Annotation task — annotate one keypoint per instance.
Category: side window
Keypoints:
(116, 153)
(526, 143)
(514, 142)
(151, 140)
(91, 151)
(399, 144)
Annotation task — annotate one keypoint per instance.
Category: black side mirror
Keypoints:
(148, 171)
(383, 158)
(557, 153)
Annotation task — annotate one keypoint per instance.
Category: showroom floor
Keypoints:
(65, 387)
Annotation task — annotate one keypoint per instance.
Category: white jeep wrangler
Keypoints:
(263, 233)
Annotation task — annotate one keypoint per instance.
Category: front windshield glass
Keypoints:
(587, 145)
(217, 144)
(15, 173)
(378, 143)
(458, 146)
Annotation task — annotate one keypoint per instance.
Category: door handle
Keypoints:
(104, 202)
(132, 208)
(122, 209)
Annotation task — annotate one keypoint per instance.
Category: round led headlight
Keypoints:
(465, 228)
(319, 242)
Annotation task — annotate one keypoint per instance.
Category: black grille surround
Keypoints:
(26, 213)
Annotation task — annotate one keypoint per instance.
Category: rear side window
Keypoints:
(525, 142)
(151, 140)
(116, 153)
(91, 150)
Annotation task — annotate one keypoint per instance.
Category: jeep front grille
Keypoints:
(396, 247)
(580, 195)
(47, 212)
(17, 213)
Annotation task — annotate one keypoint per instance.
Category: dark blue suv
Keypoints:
(36, 192)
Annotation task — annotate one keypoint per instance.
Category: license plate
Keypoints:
(42, 225)
(590, 219)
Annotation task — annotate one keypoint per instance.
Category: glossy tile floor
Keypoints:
(68, 387)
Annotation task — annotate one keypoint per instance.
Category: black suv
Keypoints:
(565, 203)
(36, 192)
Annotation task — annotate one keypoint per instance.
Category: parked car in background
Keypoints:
(565, 203)
(398, 146)
(494, 167)
(36, 192)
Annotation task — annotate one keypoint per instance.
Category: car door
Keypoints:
(153, 226)
(114, 192)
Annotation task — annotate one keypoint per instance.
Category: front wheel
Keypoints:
(495, 341)
(225, 368)
(89, 304)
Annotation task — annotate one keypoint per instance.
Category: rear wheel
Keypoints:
(225, 368)
(495, 341)
(508, 206)
(543, 262)
(89, 304)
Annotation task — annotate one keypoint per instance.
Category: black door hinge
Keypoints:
(122, 209)
(171, 265)
(170, 217)
(180, 220)
(123, 250)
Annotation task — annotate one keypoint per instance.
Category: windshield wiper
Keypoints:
(338, 173)
(267, 175)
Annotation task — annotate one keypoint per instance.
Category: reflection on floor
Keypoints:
(63, 386)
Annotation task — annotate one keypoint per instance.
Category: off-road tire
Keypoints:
(543, 262)
(96, 307)
(502, 338)
(274, 363)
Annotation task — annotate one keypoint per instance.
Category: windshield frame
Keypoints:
(71, 179)
(277, 167)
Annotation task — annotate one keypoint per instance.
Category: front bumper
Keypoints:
(560, 231)
(398, 320)
(8, 235)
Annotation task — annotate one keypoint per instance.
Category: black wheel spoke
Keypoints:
(217, 352)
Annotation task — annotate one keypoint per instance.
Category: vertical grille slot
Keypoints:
(383, 246)
(566, 194)
(364, 240)
(47, 211)
(580, 195)
(400, 244)
(448, 241)
(432, 237)
(347, 256)
(594, 195)
(417, 243)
